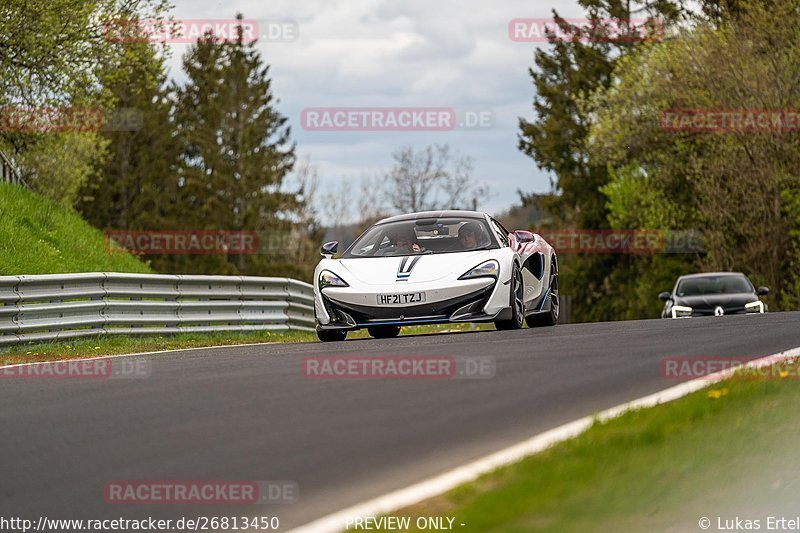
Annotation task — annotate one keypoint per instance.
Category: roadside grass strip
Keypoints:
(716, 447)
(125, 344)
(726, 451)
(37, 236)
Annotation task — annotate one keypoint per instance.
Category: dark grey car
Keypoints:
(713, 294)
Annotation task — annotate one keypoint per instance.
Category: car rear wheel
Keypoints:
(516, 303)
(384, 332)
(331, 335)
(550, 318)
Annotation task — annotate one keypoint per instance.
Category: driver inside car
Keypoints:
(405, 242)
(470, 236)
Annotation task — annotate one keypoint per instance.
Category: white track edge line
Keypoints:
(114, 356)
(335, 522)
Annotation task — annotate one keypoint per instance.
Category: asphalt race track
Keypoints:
(248, 413)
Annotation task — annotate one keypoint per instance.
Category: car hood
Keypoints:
(711, 301)
(428, 267)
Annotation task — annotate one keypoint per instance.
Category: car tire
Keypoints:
(515, 302)
(331, 335)
(551, 317)
(384, 332)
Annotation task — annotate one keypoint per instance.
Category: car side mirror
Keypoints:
(329, 248)
(762, 291)
(665, 296)
(523, 236)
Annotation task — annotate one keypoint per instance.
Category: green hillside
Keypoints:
(39, 237)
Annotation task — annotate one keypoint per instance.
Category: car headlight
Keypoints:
(679, 311)
(754, 307)
(487, 269)
(329, 279)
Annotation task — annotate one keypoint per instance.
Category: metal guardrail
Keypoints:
(9, 173)
(65, 306)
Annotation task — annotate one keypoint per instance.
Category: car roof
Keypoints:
(456, 213)
(708, 274)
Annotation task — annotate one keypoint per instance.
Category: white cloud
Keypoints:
(415, 53)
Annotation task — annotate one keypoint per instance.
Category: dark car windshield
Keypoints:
(708, 285)
(423, 236)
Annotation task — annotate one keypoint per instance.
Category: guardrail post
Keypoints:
(9, 297)
(104, 299)
(240, 306)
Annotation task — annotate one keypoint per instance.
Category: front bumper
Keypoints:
(732, 310)
(476, 301)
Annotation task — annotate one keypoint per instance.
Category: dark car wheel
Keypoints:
(516, 303)
(550, 318)
(331, 335)
(384, 332)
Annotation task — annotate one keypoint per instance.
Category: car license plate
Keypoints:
(401, 299)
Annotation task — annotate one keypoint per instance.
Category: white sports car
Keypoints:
(435, 267)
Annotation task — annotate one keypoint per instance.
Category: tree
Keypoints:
(566, 73)
(51, 52)
(370, 204)
(136, 186)
(49, 49)
(301, 245)
(59, 165)
(236, 152)
(430, 179)
(337, 206)
(740, 187)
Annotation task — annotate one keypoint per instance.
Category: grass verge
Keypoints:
(121, 344)
(719, 453)
(39, 237)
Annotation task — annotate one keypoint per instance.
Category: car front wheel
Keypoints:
(517, 307)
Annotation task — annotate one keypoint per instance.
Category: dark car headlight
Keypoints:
(329, 279)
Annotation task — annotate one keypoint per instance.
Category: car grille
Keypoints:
(428, 311)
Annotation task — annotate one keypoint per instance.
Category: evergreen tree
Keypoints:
(136, 185)
(236, 152)
(567, 73)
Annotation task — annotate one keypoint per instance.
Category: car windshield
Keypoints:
(708, 285)
(423, 236)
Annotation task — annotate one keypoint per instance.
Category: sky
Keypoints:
(414, 53)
